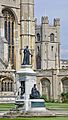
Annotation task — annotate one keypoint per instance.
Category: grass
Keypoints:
(37, 118)
(57, 106)
(7, 107)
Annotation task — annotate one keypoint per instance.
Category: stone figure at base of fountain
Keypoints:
(34, 93)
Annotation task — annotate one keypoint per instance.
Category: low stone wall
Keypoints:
(7, 99)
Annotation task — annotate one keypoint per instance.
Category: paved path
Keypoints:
(36, 113)
(2, 113)
(57, 112)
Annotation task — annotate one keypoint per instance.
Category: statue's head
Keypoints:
(34, 85)
(26, 46)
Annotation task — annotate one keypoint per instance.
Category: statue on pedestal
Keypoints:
(34, 93)
(26, 60)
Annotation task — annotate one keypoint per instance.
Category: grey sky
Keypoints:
(54, 9)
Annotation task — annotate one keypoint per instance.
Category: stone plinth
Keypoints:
(27, 76)
(31, 105)
(37, 105)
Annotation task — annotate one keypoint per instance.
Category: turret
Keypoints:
(45, 20)
(57, 22)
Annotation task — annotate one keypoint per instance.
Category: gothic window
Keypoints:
(7, 85)
(38, 37)
(11, 86)
(5, 29)
(2, 86)
(51, 37)
(38, 61)
(9, 20)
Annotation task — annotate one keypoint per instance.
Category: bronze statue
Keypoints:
(26, 60)
(34, 93)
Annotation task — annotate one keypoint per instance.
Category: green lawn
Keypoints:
(57, 106)
(6, 107)
(48, 105)
(64, 106)
(38, 118)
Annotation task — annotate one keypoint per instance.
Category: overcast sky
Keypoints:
(54, 9)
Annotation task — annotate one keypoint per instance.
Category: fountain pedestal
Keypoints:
(27, 79)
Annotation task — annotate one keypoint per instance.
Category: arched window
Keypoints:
(7, 85)
(38, 37)
(51, 37)
(11, 84)
(9, 20)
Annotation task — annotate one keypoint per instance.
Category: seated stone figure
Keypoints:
(34, 93)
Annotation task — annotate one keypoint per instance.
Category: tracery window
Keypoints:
(51, 37)
(9, 32)
(7, 85)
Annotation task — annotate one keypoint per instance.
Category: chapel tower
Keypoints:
(48, 44)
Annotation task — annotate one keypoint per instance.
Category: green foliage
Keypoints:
(44, 97)
(49, 100)
(64, 97)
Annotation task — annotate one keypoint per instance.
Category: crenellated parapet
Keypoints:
(45, 20)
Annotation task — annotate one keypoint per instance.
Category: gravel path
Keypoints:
(35, 113)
